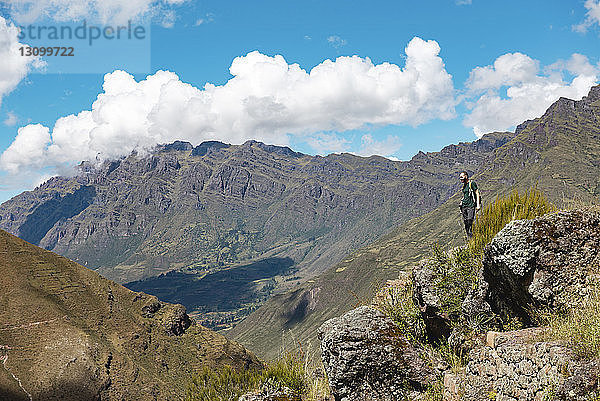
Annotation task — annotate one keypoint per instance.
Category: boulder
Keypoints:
(551, 261)
(366, 357)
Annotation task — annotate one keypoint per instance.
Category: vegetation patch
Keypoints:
(395, 300)
(286, 379)
(515, 206)
(579, 328)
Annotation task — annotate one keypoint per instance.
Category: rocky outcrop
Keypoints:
(551, 261)
(518, 365)
(366, 357)
(548, 264)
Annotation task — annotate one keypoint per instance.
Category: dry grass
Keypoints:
(515, 206)
(292, 373)
(579, 327)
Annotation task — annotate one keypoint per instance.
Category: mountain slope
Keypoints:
(559, 152)
(67, 333)
(218, 209)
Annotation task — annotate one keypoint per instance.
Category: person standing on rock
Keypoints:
(471, 202)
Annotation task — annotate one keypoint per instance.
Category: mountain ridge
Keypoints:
(558, 152)
(214, 207)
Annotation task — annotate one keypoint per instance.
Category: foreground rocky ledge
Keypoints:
(545, 264)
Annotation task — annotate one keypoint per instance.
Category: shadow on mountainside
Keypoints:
(219, 291)
(45, 216)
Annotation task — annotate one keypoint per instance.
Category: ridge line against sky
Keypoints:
(341, 101)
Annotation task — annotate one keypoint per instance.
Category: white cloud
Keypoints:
(267, 99)
(529, 91)
(592, 16)
(13, 66)
(464, 2)
(106, 11)
(28, 148)
(336, 41)
(168, 19)
(508, 69)
(387, 147)
(11, 119)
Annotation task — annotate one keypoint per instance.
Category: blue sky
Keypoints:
(452, 71)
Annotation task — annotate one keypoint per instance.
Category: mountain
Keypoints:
(242, 222)
(558, 152)
(69, 334)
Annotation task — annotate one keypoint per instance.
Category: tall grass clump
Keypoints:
(225, 384)
(286, 375)
(579, 327)
(395, 300)
(286, 372)
(515, 206)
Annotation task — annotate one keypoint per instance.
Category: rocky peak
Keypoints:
(209, 147)
(594, 94)
(279, 150)
(179, 146)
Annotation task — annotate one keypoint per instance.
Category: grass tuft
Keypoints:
(225, 384)
(395, 300)
(515, 206)
(579, 327)
(287, 375)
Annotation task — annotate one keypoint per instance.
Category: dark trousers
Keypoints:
(468, 215)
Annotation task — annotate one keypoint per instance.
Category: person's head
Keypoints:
(464, 177)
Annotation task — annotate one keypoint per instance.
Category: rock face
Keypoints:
(367, 358)
(549, 261)
(518, 366)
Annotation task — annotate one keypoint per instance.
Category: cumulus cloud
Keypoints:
(592, 16)
(113, 11)
(529, 89)
(28, 148)
(266, 99)
(13, 66)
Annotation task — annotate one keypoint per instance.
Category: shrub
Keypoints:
(456, 274)
(395, 300)
(225, 384)
(495, 216)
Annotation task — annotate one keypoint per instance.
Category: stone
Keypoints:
(544, 262)
(366, 357)
(514, 356)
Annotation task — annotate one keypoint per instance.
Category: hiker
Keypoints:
(471, 202)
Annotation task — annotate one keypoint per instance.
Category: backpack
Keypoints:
(472, 195)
